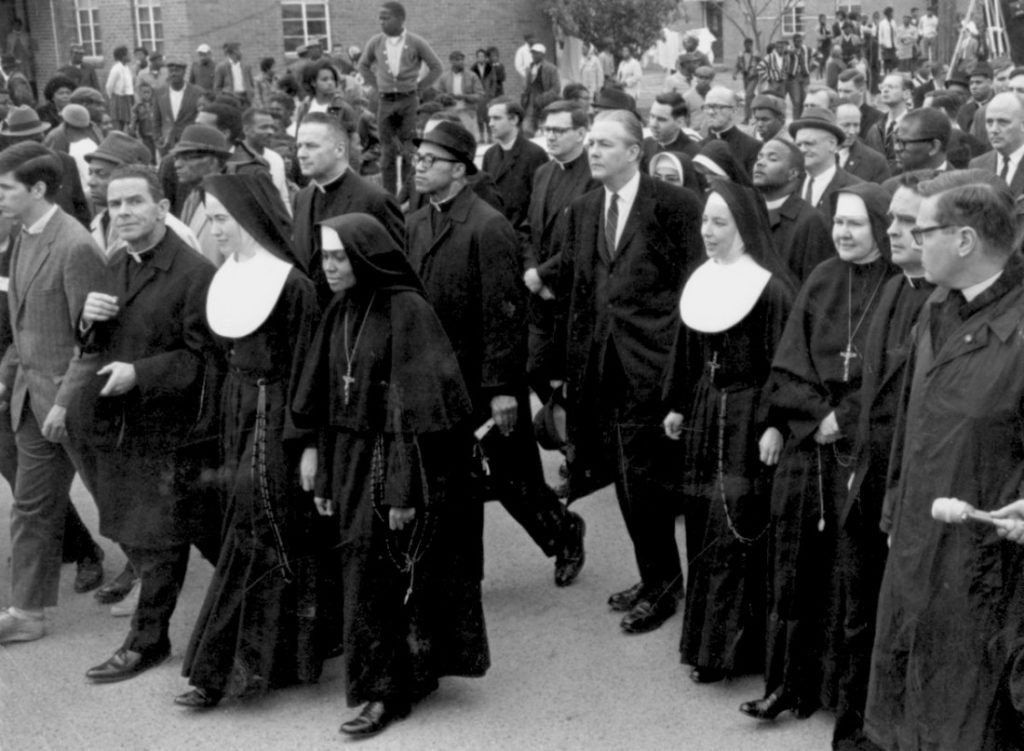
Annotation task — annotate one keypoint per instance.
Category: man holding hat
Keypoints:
(78, 70)
(543, 87)
(467, 255)
(818, 138)
(203, 68)
(769, 117)
(464, 87)
(176, 106)
(202, 150)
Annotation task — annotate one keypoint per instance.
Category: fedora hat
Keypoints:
(120, 148)
(75, 115)
(22, 121)
(454, 139)
(202, 139)
(819, 118)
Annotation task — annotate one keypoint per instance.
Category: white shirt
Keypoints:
(523, 61)
(776, 204)
(176, 98)
(79, 149)
(976, 289)
(119, 81)
(393, 47)
(630, 74)
(40, 223)
(277, 176)
(929, 26)
(627, 195)
(1015, 158)
(457, 79)
(237, 81)
(820, 183)
(886, 33)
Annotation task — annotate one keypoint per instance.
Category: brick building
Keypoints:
(263, 27)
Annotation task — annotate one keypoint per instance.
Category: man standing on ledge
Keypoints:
(398, 55)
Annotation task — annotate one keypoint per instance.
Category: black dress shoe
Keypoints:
(198, 698)
(623, 602)
(769, 707)
(90, 573)
(125, 664)
(569, 561)
(118, 589)
(376, 716)
(706, 675)
(647, 615)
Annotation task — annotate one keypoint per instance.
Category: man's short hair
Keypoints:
(228, 118)
(948, 101)
(852, 74)
(573, 90)
(334, 124)
(578, 116)
(676, 102)
(977, 199)
(284, 100)
(142, 172)
(833, 95)
(445, 116)
(912, 180)
(30, 163)
(932, 123)
(397, 9)
(796, 157)
(628, 120)
(512, 107)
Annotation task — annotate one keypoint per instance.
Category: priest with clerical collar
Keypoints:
(720, 110)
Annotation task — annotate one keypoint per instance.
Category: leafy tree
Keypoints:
(613, 24)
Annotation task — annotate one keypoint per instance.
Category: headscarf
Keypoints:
(668, 156)
(254, 202)
(378, 263)
(751, 218)
(717, 152)
(876, 199)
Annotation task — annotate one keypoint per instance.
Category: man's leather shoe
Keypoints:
(90, 573)
(14, 628)
(706, 675)
(125, 664)
(623, 602)
(569, 561)
(769, 707)
(118, 589)
(647, 615)
(198, 698)
(376, 716)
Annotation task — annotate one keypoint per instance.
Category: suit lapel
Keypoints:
(163, 256)
(33, 263)
(643, 201)
(509, 159)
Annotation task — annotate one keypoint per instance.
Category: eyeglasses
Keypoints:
(716, 107)
(900, 143)
(427, 160)
(556, 132)
(919, 233)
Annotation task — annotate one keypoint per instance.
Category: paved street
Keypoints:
(563, 676)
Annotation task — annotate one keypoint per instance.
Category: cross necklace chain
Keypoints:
(850, 353)
(350, 354)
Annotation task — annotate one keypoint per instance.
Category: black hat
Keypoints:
(454, 139)
(610, 98)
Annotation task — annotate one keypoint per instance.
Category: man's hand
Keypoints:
(828, 430)
(324, 506)
(533, 281)
(122, 378)
(399, 517)
(99, 307)
(307, 469)
(503, 410)
(673, 425)
(55, 427)
(770, 447)
(1011, 525)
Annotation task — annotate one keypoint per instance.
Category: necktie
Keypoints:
(611, 224)
(889, 130)
(809, 190)
(1005, 172)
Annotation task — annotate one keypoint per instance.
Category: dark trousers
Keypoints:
(796, 87)
(396, 127)
(542, 346)
(161, 573)
(640, 453)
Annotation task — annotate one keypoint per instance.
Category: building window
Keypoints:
(792, 18)
(87, 18)
(303, 21)
(149, 25)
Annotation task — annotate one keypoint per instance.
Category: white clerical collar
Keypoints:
(776, 203)
(717, 296)
(243, 293)
(40, 224)
(974, 290)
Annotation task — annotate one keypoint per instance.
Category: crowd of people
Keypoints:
(297, 323)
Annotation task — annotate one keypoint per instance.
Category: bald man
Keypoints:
(720, 112)
(1004, 123)
(855, 156)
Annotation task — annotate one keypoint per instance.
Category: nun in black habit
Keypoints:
(384, 390)
(733, 309)
(256, 627)
(813, 400)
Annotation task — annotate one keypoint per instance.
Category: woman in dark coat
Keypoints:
(256, 627)
(384, 388)
(733, 309)
(813, 399)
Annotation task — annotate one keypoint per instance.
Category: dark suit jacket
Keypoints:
(990, 163)
(513, 174)
(921, 92)
(547, 208)
(962, 148)
(627, 299)
(222, 80)
(876, 140)
(543, 89)
(349, 194)
(867, 164)
(841, 179)
(800, 235)
(481, 183)
(745, 148)
(869, 116)
(167, 127)
(681, 144)
(46, 293)
(161, 329)
(470, 270)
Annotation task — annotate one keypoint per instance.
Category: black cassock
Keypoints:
(715, 381)
(812, 377)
